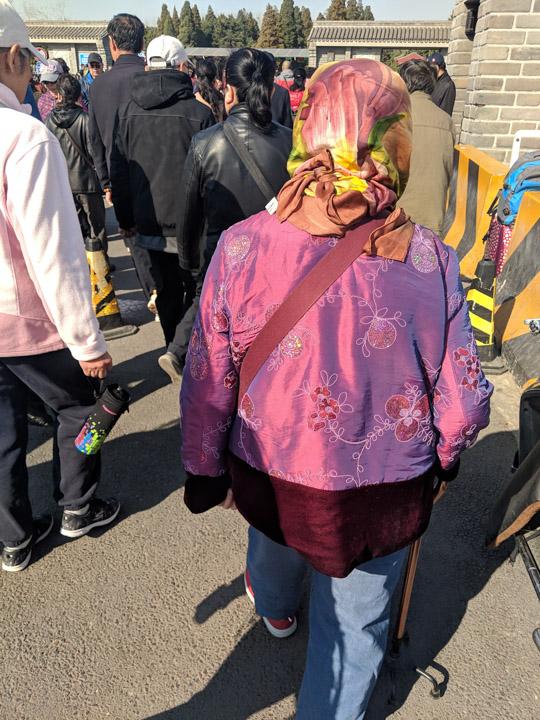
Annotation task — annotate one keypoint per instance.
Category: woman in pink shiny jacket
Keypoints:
(332, 451)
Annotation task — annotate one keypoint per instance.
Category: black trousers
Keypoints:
(180, 343)
(143, 266)
(59, 381)
(91, 213)
(175, 291)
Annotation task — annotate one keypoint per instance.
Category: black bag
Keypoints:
(518, 507)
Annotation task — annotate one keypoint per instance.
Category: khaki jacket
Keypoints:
(432, 155)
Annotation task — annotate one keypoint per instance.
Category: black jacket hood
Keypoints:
(64, 117)
(157, 88)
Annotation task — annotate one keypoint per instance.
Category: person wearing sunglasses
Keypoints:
(95, 68)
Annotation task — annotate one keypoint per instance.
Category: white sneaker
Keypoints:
(151, 305)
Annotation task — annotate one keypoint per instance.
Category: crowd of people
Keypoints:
(315, 321)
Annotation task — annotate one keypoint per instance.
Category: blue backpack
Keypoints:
(523, 176)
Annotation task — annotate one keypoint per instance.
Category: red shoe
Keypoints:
(277, 628)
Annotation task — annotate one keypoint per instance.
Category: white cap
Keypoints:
(166, 49)
(51, 71)
(13, 31)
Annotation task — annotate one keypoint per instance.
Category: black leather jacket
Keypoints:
(73, 119)
(216, 188)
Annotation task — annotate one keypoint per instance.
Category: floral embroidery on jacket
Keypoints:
(467, 358)
(213, 432)
(236, 247)
(422, 249)
(326, 408)
(200, 348)
(381, 333)
(409, 416)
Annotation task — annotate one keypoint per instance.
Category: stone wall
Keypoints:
(502, 93)
(458, 60)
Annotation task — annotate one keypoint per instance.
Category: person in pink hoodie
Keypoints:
(331, 448)
(50, 341)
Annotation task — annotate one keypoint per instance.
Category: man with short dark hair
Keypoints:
(153, 135)
(107, 92)
(95, 68)
(444, 95)
(432, 155)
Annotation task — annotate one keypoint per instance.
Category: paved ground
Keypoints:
(149, 621)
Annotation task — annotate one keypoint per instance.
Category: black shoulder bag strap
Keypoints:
(78, 149)
(251, 166)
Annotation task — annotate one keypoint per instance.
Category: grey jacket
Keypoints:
(432, 156)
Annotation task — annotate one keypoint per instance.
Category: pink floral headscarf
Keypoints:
(351, 148)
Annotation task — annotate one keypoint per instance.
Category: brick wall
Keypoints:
(502, 92)
(458, 60)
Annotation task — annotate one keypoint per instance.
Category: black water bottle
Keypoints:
(108, 408)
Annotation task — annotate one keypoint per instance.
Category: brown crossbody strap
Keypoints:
(299, 301)
(78, 149)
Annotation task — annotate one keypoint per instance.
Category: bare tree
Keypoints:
(42, 10)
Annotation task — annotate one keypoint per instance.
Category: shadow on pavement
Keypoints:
(454, 567)
(145, 374)
(126, 474)
(131, 463)
(219, 599)
(274, 672)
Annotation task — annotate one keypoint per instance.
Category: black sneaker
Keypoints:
(17, 557)
(100, 512)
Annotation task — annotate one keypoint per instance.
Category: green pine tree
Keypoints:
(288, 24)
(252, 31)
(307, 23)
(247, 28)
(337, 10)
(161, 20)
(208, 26)
(270, 35)
(187, 31)
(320, 16)
(299, 23)
(227, 32)
(200, 37)
(368, 15)
(353, 10)
(150, 32)
(175, 21)
(168, 27)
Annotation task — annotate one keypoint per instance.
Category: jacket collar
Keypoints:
(129, 60)
(239, 109)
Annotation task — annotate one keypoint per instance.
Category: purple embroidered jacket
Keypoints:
(379, 378)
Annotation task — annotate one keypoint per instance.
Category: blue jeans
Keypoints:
(348, 624)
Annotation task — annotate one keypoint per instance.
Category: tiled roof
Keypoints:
(79, 31)
(381, 33)
(225, 52)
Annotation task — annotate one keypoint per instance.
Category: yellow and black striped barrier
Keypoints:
(481, 304)
(517, 296)
(103, 295)
(476, 179)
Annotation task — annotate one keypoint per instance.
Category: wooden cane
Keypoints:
(410, 572)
